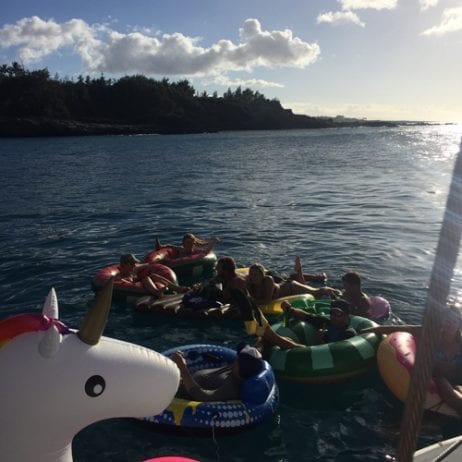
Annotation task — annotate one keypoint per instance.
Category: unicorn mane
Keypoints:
(28, 322)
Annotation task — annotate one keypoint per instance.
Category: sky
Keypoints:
(374, 59)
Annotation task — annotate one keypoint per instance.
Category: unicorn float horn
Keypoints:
(95, 319)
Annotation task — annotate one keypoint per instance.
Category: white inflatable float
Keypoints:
(56, 381)
(447, 451)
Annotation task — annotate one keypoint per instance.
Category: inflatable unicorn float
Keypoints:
(55, 381)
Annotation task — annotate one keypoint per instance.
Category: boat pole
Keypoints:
(438, 292)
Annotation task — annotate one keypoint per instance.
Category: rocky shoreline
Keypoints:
(43, 127)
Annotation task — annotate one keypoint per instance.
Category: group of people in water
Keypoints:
(259, 287)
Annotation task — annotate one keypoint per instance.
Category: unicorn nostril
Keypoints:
(95, 386)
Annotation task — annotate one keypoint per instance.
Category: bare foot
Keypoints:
(297, 265)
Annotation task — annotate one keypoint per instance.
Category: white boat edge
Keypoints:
(430, 453)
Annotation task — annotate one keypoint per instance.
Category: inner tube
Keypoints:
(260, 398)
(303, 301)
(197, 265)
(380, 307)
(132, 288)
(323, 363)
(395, 360)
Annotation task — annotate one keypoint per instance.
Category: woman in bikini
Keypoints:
(264, 289)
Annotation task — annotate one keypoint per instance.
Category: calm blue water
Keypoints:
(366, 199)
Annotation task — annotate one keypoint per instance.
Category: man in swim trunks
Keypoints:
(336, 327)
(359, 302)
(331, 329)
(219, 384)
(230, 280)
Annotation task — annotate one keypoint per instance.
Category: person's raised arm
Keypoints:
(296, 313)
(188, 380)
(210, 244)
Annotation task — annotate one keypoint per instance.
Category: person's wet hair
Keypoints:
(352, 277)
(228, 264)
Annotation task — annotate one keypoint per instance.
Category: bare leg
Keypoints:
(298, 270)
(451, 396)
(272, 338)
(295, 288)
(151, 287)
(302, 277)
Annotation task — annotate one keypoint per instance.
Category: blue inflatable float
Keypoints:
(259, 398)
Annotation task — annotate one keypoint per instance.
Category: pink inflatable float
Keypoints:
(170, 459)
(56, 381)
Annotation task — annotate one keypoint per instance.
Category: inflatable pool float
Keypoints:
(260, 398)
(380, 307)
(448, 451)
(323, 363)
(57, 380)
(173, 306)
(171, 459)
(303, 301)
(123, 288)
(197, 265)
(395, 360)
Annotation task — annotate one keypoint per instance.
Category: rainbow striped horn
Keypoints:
(95, 320)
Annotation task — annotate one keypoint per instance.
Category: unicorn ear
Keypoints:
(50, 307)
(50, 343)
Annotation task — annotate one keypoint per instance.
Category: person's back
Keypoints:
(359, 301)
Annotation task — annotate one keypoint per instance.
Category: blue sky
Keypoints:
(378, 59)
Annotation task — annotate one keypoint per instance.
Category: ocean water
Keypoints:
(364, 199)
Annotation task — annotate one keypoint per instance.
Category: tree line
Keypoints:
(34, 103)
(134, 100)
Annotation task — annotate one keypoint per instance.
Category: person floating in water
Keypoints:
(132, 270)
(191, 245)
(264, 289)
(359, 301)
(219, 384)
(334, 328)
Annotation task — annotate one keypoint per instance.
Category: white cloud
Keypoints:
(348, 16)
(37, 38)
(451, 21)
(105, 50)
(340, 17)
(247, 83)
(426, 4)
(377, 111)
(368, 4)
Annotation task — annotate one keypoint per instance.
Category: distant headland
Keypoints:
(34, 104)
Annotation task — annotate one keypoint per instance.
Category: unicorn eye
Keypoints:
(95, 386)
